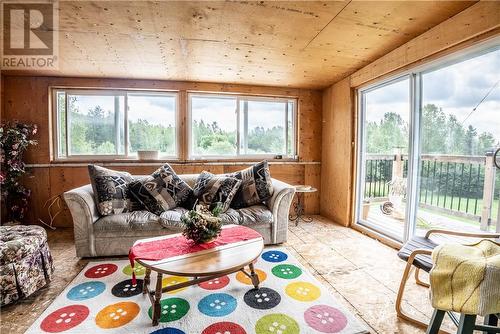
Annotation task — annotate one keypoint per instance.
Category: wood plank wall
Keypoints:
(476, 24)
(337, 133)
(26, 99)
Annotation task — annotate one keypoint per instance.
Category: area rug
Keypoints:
(102, 299)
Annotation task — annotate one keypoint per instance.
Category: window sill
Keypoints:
(169, 160)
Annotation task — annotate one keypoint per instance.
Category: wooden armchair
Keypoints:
(417, 253)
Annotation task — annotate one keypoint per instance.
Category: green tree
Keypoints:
(486, 142)
(390, 133)
(434, 129)
(455, 137)
(470, 141)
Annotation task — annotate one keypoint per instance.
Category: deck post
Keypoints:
(397, 166)
(488, 191)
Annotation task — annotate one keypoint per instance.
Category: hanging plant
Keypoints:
(15, 138)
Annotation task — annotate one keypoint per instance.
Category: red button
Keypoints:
(101, 270)
(224, 327)
(65, 318)
(215, 284)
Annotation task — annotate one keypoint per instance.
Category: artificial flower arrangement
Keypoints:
(15, 138)
(202, 225)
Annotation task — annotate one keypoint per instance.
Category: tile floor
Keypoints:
(361, 272)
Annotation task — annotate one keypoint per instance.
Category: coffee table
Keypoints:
(202, 266)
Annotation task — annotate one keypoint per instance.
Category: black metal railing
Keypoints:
(455, 184)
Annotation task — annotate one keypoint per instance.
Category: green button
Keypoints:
(276, 323)
(287, 271)
(139, 270)
(172, 309)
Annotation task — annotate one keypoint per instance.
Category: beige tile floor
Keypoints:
(362, 273)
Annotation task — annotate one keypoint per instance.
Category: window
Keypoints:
(385, 123)
(111, 124)
(231, 126)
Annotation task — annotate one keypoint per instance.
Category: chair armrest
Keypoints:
(279, 204)
(462, 234)
(83, 209)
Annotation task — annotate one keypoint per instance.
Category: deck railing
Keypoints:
(464, 186)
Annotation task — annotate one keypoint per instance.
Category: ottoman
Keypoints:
(25, 261)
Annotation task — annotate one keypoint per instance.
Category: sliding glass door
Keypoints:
(384, 153)
(426, 145)
(460, 130)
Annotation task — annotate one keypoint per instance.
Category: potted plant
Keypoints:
(202, 225)
(15, 138)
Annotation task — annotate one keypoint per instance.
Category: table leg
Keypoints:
(147, 280)
(254, 276)
(298, 208)
(156, 305)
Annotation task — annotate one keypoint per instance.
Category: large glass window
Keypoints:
(114, 123)
(427, 143)
(231, 126)
(459, 187)
(384, 155)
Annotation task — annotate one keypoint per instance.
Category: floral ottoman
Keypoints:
(25, 261)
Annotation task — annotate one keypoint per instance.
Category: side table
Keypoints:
(298, 207)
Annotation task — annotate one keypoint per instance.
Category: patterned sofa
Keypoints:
(114, 234)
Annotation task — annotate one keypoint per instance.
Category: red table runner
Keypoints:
(169, 247)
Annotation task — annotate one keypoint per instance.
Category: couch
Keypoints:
(114, 234)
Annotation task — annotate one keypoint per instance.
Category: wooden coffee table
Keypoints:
(201, 266)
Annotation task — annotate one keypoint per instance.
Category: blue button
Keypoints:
(168, 330)
(274, 256)
(217, 304)
(86, 290)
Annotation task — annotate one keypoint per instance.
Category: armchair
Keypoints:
(416, 252)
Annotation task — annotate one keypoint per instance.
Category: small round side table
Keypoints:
(298, 206)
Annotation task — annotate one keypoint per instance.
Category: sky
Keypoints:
(457, 89)
(223, 110)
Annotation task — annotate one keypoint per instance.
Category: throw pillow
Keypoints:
(211, 189)
(256, 185)
(111, 190)
(161, 191)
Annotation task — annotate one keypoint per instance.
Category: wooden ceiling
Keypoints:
(294, 43)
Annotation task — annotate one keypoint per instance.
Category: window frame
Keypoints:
(54, 90)
(238, 98)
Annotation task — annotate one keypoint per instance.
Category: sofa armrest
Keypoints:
(279, 204)
(83, 209)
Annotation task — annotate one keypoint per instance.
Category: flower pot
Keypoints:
(147, 155)
(366, 210)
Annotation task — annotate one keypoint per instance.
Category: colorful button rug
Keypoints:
(102, 299)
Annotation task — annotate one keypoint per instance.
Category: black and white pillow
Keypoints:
(161, 191)
(111, 190)
(256, 185)
(211, 189)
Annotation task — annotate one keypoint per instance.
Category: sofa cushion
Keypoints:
(256, 185)
(161, 191)
(140, 221)
(20, 241)
(111, 190)
(145, 223)
(253, 215)
(211, 189)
